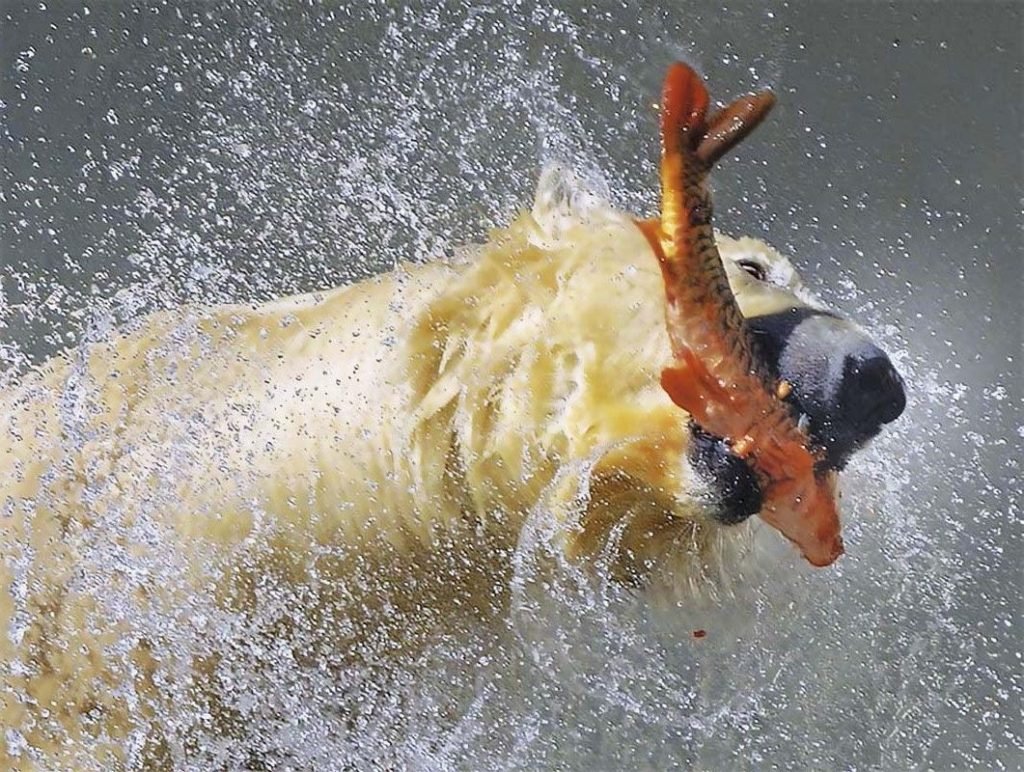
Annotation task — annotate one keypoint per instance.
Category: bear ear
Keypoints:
(732, 123)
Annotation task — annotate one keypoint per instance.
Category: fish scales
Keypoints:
(717, 376)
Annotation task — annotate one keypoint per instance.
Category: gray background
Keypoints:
(155, 152)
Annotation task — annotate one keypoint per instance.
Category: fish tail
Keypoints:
(684, 107)
(728, 127)
(686, 127)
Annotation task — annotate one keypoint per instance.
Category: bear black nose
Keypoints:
(872, 393)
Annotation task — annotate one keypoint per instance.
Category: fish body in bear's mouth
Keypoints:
(734, 388)
(844, 390)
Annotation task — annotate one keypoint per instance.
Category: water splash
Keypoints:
(253, 150)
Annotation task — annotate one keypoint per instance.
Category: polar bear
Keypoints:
(364, 458)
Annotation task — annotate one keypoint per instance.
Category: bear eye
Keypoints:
(754, 269)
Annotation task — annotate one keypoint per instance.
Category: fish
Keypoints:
(716, 374)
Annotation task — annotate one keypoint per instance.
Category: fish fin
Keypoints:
(730, 125)
(652, 232)
(691, 386)
(684, 105)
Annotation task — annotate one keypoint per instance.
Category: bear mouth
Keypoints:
(839, 441)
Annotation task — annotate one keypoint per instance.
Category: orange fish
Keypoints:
(717, 376)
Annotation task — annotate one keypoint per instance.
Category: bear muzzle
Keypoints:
(843, 383)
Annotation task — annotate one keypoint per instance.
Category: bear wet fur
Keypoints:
(373, 450)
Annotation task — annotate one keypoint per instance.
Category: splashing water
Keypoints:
(242, 152)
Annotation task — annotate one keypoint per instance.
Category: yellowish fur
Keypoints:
(399, 429)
